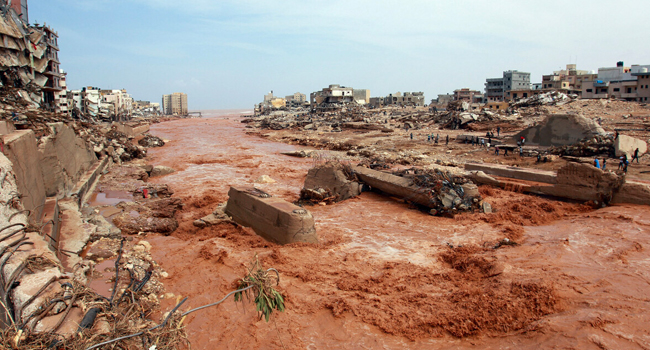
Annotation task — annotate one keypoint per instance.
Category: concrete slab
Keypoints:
(83, 190)
(395, 185)
(272, 218)
(21, 150)
(527, 174)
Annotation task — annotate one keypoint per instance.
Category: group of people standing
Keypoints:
(623, 162)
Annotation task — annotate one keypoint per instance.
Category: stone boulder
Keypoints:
(626, 145)
(560, 130)
(330, 183)
(160, 170)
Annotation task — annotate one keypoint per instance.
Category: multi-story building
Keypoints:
(407, 99)
(53, 85)
(497, 89)
(167, 104)
(61, 102)
(333, 97)
(616, 82)
(471, 96)
(643, 84)
(296, 98)
(179, 104)
(569, 80)
(443, 99)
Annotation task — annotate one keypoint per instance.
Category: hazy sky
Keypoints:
(229, 53)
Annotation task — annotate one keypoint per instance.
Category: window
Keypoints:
(590, 90)
(617, 89)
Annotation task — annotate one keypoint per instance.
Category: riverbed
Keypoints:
(379, 277)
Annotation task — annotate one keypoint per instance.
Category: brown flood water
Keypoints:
(579, 278)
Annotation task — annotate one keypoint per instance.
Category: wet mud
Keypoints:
(386, 275)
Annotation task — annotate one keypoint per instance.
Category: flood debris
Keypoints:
(272, 218)
(151, 141)
(442, 192)
(217, 217)
(151, 215)
(329, 183)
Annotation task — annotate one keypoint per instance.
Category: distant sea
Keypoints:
(222, 112)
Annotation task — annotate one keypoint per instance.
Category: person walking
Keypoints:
(447, 141)
(604, 164)
(411, 136)
(496, 150)
(521, 152)
(498, 131)
(636, 156)
(505, 152)
(597, 163)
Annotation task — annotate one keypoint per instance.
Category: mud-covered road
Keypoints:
(384, 275)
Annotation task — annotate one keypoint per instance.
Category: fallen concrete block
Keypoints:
(514, 172)
(299, 154)
(160, 170)
(627, 145)
(633, 192)
(328, 182)
(264, 179)
(217, 217)
(272, 218)
(441, 197)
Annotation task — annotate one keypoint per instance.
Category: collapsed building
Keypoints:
(335, 97)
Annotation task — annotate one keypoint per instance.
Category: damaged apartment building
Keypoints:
(407, 99)
(270, 103)
(336, 97)
(29, 56)
(30, 68)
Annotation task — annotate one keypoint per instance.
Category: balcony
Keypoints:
(632, 95)
(601, 83)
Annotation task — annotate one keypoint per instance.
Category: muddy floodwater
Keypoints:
(388, 276)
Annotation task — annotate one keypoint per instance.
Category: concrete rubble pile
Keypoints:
(442, 193)
(447, 193)
(545, 99)
(587, 147)
(386, 120)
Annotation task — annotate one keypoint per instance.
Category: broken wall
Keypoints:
(65, 159)
(22, 151)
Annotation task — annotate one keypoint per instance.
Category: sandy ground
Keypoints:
(385, 275)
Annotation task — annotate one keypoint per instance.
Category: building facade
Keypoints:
(167, 104)
(407, 99)
(497, 89)
(618, 82)
(643, 84)
(465, 94)
(179, 104)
